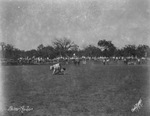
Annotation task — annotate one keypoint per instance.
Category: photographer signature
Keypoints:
(137, 106)
(21, 109)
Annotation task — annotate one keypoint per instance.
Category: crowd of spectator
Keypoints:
(44, 61)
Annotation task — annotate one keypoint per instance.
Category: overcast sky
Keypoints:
(28, 23)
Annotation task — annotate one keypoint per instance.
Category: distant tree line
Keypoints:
(66, 48)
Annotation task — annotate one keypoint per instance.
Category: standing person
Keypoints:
(84, 61)
(74, 55)
(104, 61)
(139, 61)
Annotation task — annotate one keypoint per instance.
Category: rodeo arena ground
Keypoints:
(77, 86)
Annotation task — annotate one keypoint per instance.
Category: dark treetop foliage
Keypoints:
(65, 47)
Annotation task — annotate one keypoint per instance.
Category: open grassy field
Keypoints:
(86, 90)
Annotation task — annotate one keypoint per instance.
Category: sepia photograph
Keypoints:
(74, 57)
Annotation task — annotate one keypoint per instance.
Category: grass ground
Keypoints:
(86, 90)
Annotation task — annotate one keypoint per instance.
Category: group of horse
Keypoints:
(57, 68)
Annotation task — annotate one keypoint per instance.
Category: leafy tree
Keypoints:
(148, 52)
(40, 47)
(92, 51)
(63, 45)
(3, 45)
(142, 50)
(16, 53)
(130, 50)
(119, 52)
(39, 50)
(9, 51)
(31, 53)
(107, 47)
(48, 51)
